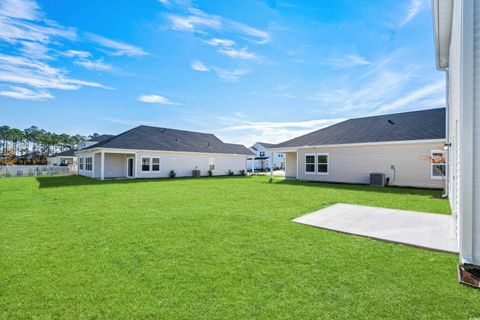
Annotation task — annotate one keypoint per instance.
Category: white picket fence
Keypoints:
(36, 170)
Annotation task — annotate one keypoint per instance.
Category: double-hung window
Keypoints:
(211, 164)
(155, 164)
(438, 165)
(316, 163)
(310, 163)
(322, 163)
(145, 164)
(88, 163)
(82, 161)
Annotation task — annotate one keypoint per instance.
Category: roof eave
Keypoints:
(442, 11)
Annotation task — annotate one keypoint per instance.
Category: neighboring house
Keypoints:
(94, 140)
(68, 157)
(263, 158)
(152, 152)
(457, 37)
(64, 158)
(397, 145)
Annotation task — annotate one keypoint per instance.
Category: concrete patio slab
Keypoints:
(426, 230)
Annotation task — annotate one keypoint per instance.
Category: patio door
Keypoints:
(130, 167)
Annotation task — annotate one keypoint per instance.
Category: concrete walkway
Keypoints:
(426, 230)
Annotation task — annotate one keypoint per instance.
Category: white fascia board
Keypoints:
(442, 12)
(134, 151)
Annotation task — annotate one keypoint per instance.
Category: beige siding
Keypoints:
(184, 164)
(291, 165)
(353, 164)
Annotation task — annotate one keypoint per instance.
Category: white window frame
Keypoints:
(87, 163)
(314, 163)
(149, 164)
(211, 163)
(436, 164)
(81, 164)
(328, 163)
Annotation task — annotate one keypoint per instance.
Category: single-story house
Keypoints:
(64, 158)
(400, 146)
(457, 41)
(263, 158)
(68, 157)
(152, 152)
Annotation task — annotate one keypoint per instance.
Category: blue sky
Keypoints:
(245, 70)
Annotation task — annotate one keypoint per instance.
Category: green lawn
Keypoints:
(72, 247)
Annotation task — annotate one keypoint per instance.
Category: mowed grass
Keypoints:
(212, 248)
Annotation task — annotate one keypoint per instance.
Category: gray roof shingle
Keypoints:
(415, 125)
(164, 139)
(101, 138)
(66, 153)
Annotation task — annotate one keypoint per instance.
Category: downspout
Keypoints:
(447, 136)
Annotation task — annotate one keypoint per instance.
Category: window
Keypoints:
(211, 164)
(438, 165)
(88, 163)
(262, 154)
(155, 164)
(309, 163)
(82, 161)
(322, 163)
(145, 164)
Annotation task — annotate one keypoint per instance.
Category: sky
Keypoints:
(244, 70)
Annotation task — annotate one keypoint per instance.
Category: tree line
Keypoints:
(33, 145)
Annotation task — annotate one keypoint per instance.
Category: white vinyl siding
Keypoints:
(476, 139)
(353, 164)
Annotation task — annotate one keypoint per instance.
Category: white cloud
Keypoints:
(348, 61)
(77, 53)
(433, 93)
(199, 66)
(201, 22)
(26, 72)
(164, 2)
(98, 65)
(22, 93)
(240, 130)
(36, 74)
(220, 42)
(258, 35)
(230, 75)
(154, 98)
(394, 83)
(117, 48)
(414, 8)
(20, 9)
(196, 21)
(239, 53)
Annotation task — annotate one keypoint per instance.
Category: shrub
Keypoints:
(172, 173)
(242, 172)
(230, 172)
(210, 173)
